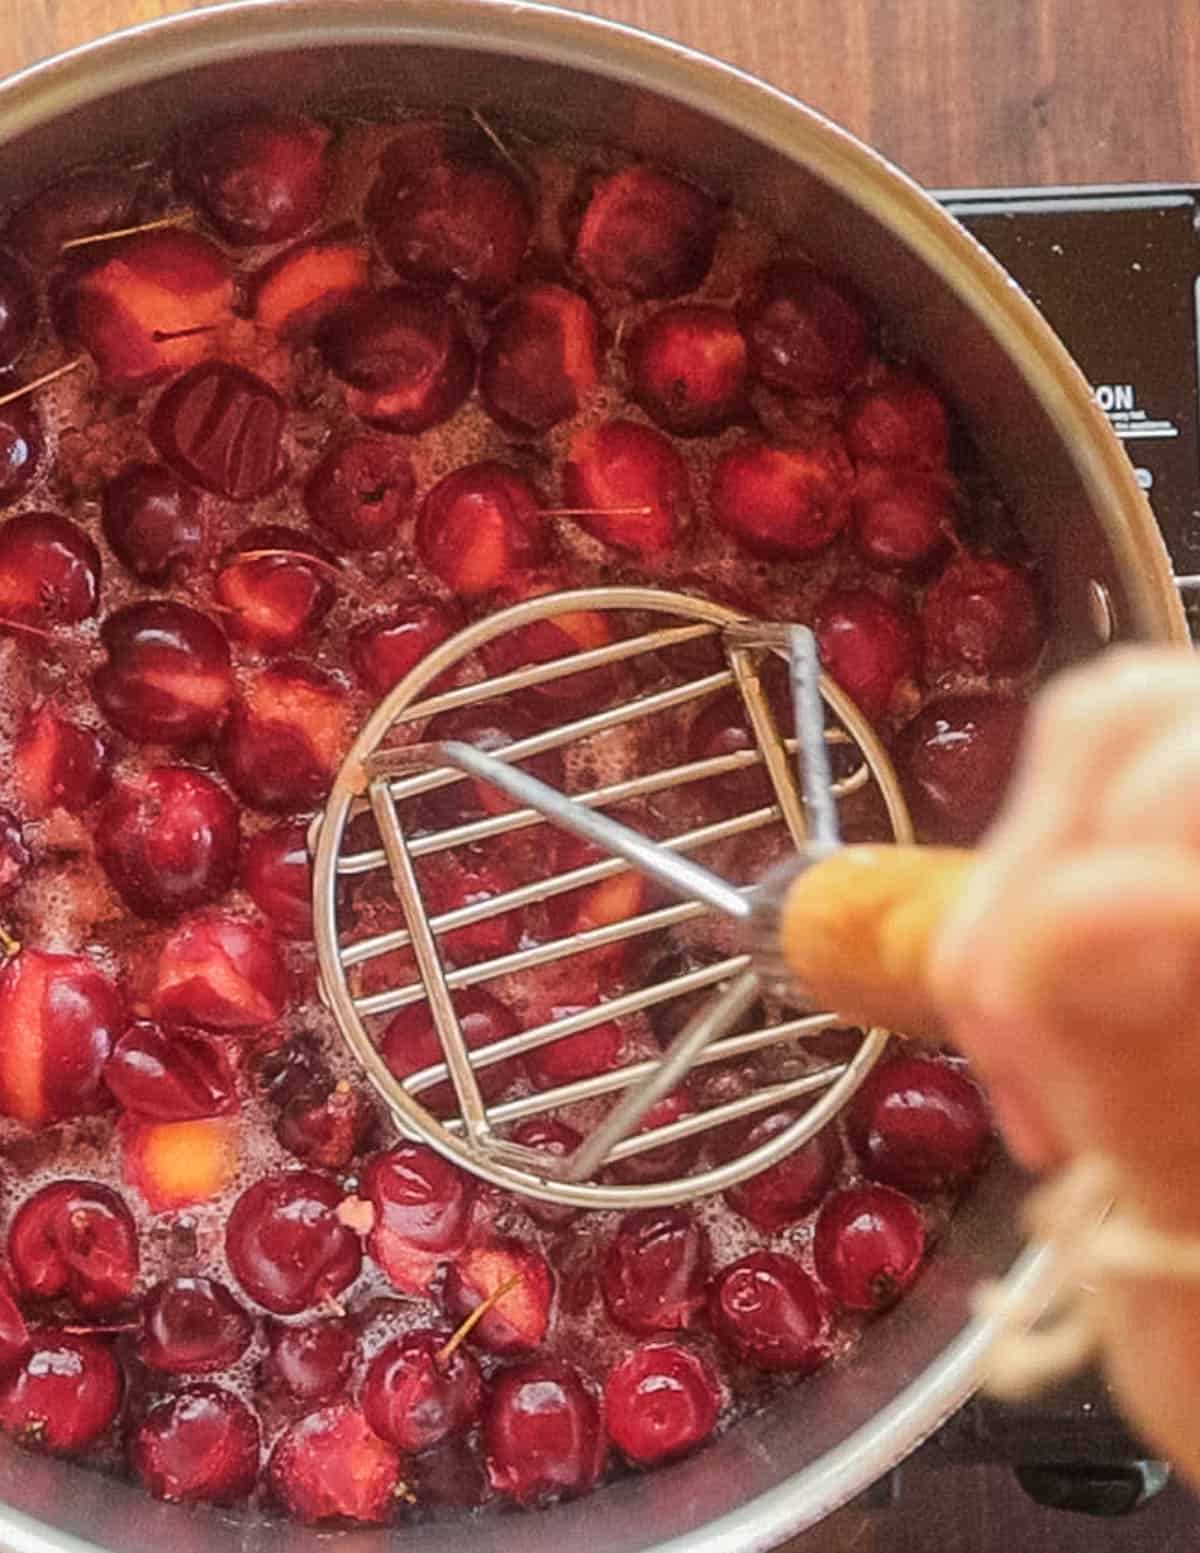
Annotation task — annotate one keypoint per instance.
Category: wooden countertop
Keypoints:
(960, 92)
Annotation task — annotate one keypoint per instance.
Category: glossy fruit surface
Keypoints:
(168, 678)
(63, 1396)
(78, 1239)
(168, 840)
(660, 1402)
(542, 360)
(630, 486)
(519, 1319)
(220, 972)
(359, 492)
(768, 1310)
(152, 521)
(422, 1206)
(919, 1124)
(415, 1395)
(286, 1245)
(870, 646)
(782, 1193)
(782, 503)
(331, 1466)
(478, 526)
(687, 368)
(220, 427)
(654, 1274)
(49, 571)
(192, 1326)
(868, 1243)
(199, 1446)
(542, 1433)
(313, 1362)
(60, 1015)
(178, 1076)
(806, 333)
(956, 758)
(647, 233)
(259, 178)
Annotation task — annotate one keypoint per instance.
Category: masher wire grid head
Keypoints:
(376, 776)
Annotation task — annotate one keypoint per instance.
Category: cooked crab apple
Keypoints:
(647, 233)
(466, 878)
(782, 503)
(668, 1160)
(660, 1401)
(596, 1049)
(868, 1243)
(78, 1239)
(982, 615)
(221, 428)
(422, 1206)
(313, 1362)
(57, 763)
(542, 1433)
(276, 873)
(286, 1245)
(221, 972)
(331, 1465)
(420, 1390)
(359, 492)
(91, 200)
(411, 1042)
(542, 359)
(899, 420)
(778, 1196)
(387, 646)
(655, 1271)
(259, 178)
(770, 1313)
(518, 1320)
(285, 737)
(276, 587)
(300, 288)
(630, 487)
(168, 840)
(192, 1326)
(153, 522)
(328, 1124)
(919, 1124)
(49, 571)
(869, 645)
(199, 1446)
(149, 305)
(60, 1015)
(687, 368)
(806, 333)
(64, 1395)
(956, 757)
(490, 727)
(903, 517)
(168, 678)
(560, 635)
(18, 310)
(21, 447)
(478, 526)
(179, 1077)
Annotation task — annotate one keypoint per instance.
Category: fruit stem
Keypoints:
(499, 145)
(40, 382)
(596, 512)
(10, 947)
(446, 1351)
(180, 218)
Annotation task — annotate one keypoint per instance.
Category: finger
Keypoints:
(1156, 797)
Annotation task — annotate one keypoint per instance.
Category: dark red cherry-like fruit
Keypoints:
(870, 646)
(21, 448)
(49, 571)
(167, 838)
(332, 1466)
(277, 875)
(630, 487)
(199, 1446)
(15, 856)
(312, 1362)
(59, 1017)
(542, 360)
(903, 517)
(57, 763)
(260, 178)
(386, 647)
(687, 368)
(555, 636)
(542, 1433)
(78, 1239)
(221, 972)
(782, 1193)
(899, 420)
(406, 358)
(721, 728)
(655, 1271)
(296, 291)
(360, 491)
(956, 758)
(596, 1049)
(981, 615)
(327, 1125)
(806, 333)
(919, 1124)
(782, 503)
(469, 877)
(168, 678)
(178, 1077)
(668, 1160)
(422, 1206)
(64, 1395)
(286, 1245)
(444, 210)
(84, 203)
(192, 1326)
(554, 1138)
(868, 1242)
(647, 233)
(411, 1042)
(276, 587)
(415, 1395)
(520, 1318)
(14, 1332)
(480, 525)
(771, 1314)
(660, 1402)
(491, 727)
(285, 737)
(220, 427)
(18, 310)
(152, 522)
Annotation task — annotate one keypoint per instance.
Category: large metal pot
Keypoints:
(1030, 410)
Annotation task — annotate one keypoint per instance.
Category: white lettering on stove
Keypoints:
(1114, 396)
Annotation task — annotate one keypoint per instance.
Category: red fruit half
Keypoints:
(415, 1397)
(542, 1433)
(64, 1395)
(956, 758)
(303, 286)
(59, 1017)
(542, 360)
(422, 1207)
(687, 368)
(276, 587)
(654, 1274)
(870, 646)
(192, 1326)
(982, 615)
(406, 358)
(411, 1043)
(285, 737)
(220, 972)
(199, 1446)
(782, 503)
(332, 1466)
(806, 333)
(78, 1239)
(360, 491)
(899, 420)
(770, 1313)
(220, 427)
(181, 1077)
(49, 571)
(630, 486)
(168, 678)
(168, 840)
(519, 1320)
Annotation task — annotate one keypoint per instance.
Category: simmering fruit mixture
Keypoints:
(279, 412)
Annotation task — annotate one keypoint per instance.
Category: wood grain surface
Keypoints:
(961, 93)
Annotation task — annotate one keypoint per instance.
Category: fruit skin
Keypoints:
(920, 1125)
(64, 1395)
(200, 1446)
(259, 178)
(14, 1333)
(59, 1017)
(647, 233)
(687, 368)
(655, 1271)
(328, 1125)
(805, 332)
(276, 873)
(285, 737)
(93, 199)
(313, 1362)
(899, 420)
(596, 1049)
(870, 646)
(478, 526)
(168, 840)
(668, 1160)
(542, 360)
(178, 1164)
(57, 763)
(623, 464)
(520, 1319)
(220, 972)
(422, 1207)
(184, 1076)
(777, 1197)
(295, 292)
(330, 1465)
(955, 758)
(359, 492)
(78, 1239)
(386, 647)
(414, 1399)
(192, 1326)
(542, 1433)
(903, 518)
(782, 503)
(547, 1135)
(411, 1042)
(18, 310)
(287, 1247)
(660, 1401)
(148, 305)
(868, 1242)
(982, 615)
(220, 427)
(21, 448)
(152, 522)
(772, 1315)
(168, 678)
(274, 601)
(49, 571)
